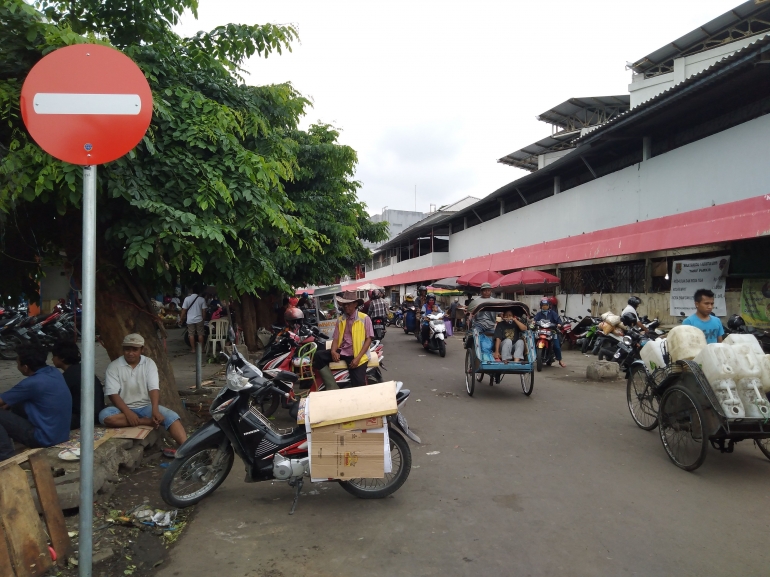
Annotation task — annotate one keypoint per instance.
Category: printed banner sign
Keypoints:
(755, 302)
(690, 275)
(327, 327)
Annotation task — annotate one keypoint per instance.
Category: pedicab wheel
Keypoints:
(682, 428)
(641, 400)
(401, 457)
(528, 382)
(764, 446)
(470, 383)
(539, 360)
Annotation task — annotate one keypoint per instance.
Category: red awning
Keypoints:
(738, 220)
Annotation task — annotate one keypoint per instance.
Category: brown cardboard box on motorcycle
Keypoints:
(347, 435)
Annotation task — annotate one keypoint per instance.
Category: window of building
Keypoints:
(621, 277)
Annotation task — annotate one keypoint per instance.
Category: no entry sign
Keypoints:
(86, 104)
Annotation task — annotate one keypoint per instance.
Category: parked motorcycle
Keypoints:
(546, 333)
(437, 334)
(396, 317)
(282, 356)
(203, 462)
(736, 324)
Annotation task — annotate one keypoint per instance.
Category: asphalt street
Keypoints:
(560, 483)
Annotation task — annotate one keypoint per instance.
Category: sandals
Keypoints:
(562, 365)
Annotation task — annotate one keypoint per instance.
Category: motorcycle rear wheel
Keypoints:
(586, 343)
(401, 456)
(195, 468)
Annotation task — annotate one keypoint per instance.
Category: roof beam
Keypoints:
(524, 200)
(583, 158)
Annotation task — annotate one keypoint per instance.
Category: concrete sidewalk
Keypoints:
(182, 361)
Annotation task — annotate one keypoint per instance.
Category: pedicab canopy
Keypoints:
(499, 305)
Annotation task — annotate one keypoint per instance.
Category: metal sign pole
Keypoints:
(88, 332)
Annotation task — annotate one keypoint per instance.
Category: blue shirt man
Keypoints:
(702, 319)
(41, 405)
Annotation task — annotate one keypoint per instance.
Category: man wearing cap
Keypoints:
(133, 387)
(350, 343)
(485, 320)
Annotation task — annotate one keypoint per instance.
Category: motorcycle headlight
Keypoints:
(627, 341)
(236, 382)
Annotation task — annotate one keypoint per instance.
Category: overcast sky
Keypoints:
(432, 93)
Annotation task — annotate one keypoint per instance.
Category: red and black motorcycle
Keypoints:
(545, 334)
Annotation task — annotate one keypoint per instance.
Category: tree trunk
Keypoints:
(251, 313)
(121, 310)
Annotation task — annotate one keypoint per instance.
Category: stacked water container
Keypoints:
(739, 373)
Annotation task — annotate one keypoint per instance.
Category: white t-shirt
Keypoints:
(630, 309)
(133, 385)
(195, 306)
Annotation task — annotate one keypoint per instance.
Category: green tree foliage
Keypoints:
(225, 186)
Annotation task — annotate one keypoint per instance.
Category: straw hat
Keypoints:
(348, 297)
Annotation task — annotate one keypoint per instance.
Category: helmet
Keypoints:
(634, 302)
(293, 315)
(372, 294)
(409, 297)
(430, 296)
(304, 295)
(735, 322)
(422, 288)
(628, 319)
(553, 302)
(545, 302)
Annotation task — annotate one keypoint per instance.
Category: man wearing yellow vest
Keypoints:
(350, 343)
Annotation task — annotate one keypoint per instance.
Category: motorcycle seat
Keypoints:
(374, 361)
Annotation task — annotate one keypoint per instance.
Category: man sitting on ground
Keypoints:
(133, 386)
(507, 335)
(37, 410)
(66, 356)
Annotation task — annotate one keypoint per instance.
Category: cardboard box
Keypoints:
(352, 404)
(347, 455)
(360, 425)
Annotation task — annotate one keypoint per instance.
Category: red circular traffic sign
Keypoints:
(86, 104)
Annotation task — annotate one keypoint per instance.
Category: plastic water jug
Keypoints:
(754, 400)
(749, 340)
(685, 342)
(764, 362)
(652, 354)
(727, 393)
(747, 363)
(717, 362)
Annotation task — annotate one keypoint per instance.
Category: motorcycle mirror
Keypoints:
(562, 311)
(580, 317)
(589, 311)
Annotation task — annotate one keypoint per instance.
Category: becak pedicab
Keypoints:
(479, 345)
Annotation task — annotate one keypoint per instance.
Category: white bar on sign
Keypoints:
(60, 103)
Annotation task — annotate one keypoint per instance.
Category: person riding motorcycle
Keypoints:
(427, 309)
(378, 308)
(549, 314)
(408, 302)
(633, 304)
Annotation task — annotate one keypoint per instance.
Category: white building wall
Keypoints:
(426, 260)
(642, 89)
(722, 168)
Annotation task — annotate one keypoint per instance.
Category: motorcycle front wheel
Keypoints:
(400, 323)
(401, 457)
(189, 480)
(442, 348)
(539, 360)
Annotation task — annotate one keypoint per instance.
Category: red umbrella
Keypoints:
(476, 279)
(526, 280)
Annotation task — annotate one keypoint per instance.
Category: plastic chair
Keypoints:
(217, 334)
(303, 365)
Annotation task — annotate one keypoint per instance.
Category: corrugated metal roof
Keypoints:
(526, 157)
(705, 77)
(577, 113)
(713, 33)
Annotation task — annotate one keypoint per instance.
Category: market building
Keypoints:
(627, 185)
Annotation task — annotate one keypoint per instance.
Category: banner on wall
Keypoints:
(690, 275)
(755, 301)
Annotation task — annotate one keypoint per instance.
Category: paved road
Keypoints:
(561, 483)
